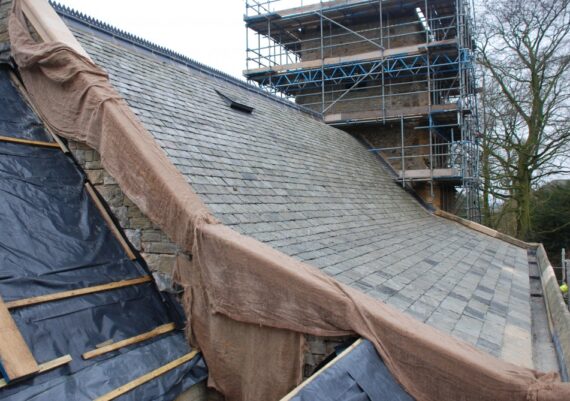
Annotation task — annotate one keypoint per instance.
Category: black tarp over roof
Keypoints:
(360, 375)
(16, 118)
(53, 239)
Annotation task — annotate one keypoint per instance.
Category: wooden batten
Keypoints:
(147, 377)
(16, 359)
(29, 142)
(109, 221)
(165, 328)
(20, 303)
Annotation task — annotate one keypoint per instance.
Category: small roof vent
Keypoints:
(235, 105)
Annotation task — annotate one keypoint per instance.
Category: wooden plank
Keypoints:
(426, 173)
(296, 390)
(165, 328)
(109, 221)
(147, 377)
(16, 359)
(20, 141)
(75, 293)
(47, 366)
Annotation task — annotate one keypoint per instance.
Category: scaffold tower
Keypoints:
(399, 75)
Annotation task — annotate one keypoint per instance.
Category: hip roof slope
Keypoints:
(315, 193)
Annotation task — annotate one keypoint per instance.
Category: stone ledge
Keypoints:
(558, 314)
(485, 230)
(155, 247)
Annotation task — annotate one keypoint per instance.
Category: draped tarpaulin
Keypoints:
(248, 303)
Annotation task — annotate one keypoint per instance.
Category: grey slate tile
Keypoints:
(316, 193)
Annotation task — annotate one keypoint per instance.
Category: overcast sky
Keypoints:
(209, 31)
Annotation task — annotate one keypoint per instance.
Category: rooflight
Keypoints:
(235, 105)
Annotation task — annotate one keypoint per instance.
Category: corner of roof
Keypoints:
(485, 230)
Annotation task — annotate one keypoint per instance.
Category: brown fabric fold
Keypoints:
(75, 99)
(247, 303)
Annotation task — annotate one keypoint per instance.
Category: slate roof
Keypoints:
(315, 193)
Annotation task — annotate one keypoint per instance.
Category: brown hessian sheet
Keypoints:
(249, 305)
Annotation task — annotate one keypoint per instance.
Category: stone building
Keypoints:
(398, 75)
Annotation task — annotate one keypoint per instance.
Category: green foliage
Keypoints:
(551, 218)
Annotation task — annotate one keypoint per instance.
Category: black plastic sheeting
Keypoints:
(16, 117)
(53, 239)
(359, 376)
(57, 240)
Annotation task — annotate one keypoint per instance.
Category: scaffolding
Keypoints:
(379, 63)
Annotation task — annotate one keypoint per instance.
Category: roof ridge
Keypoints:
(163, 51)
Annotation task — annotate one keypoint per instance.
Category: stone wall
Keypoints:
(389, 136)
(155, 247)
(338, 42)
(403, 31)
(319, 349)
(443, 195)
(5, 6)
(4, 13)
(367, 96)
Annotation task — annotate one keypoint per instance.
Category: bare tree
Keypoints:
(525, 52)
(501, 124)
